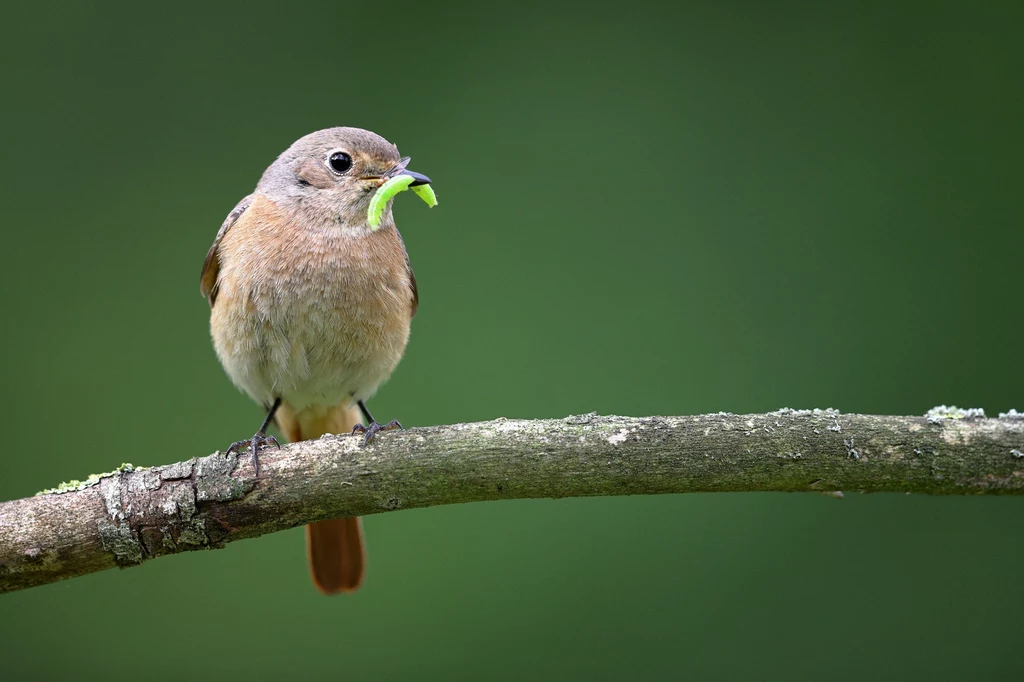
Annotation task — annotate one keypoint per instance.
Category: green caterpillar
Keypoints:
(389, 189)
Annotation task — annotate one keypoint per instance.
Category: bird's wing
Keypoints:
(211, 266)
(412, 276)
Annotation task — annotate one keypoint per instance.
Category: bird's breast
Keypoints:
(314, 316)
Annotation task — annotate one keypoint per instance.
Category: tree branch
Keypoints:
(132, 515)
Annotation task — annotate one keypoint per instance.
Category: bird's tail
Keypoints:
(335, 549)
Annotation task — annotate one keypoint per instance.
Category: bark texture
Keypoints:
(133, 515)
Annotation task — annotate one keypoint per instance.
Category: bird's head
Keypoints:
(331, 176)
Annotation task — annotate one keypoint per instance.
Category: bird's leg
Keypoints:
(260, 439)
(374, 428)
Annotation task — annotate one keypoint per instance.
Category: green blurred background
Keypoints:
(645, 209)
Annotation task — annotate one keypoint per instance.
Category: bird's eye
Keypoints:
(340, 162)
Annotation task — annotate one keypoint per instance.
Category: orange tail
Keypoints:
(337, 556)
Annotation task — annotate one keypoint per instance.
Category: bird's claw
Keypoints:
(374, 428)
(253, 445)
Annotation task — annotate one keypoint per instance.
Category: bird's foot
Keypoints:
(253, 445)
(374, 428)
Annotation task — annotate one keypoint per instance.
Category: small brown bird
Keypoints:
(310, 307)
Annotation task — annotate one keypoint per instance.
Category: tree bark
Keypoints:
(132, 515)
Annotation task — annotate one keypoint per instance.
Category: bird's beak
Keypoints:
(417, 178)
(400, 169)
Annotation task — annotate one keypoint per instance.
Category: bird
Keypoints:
(310, 308)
